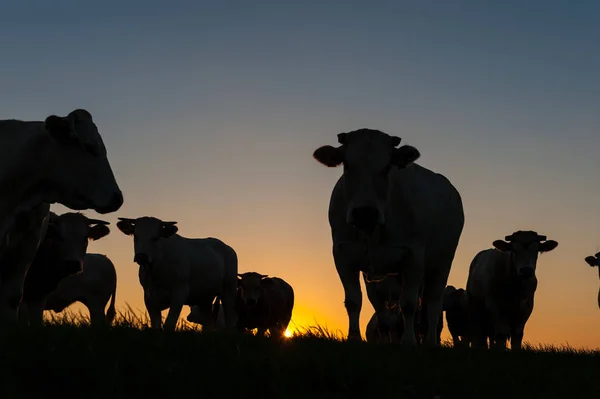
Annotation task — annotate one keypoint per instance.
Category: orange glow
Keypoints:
(287, 334)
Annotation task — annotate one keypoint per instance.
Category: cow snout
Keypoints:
(250, 301)
(364, 218)
(72, 266)
(526, 272)
(113, 205)
(142, 259)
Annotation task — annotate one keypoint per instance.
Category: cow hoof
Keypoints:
(354, 337)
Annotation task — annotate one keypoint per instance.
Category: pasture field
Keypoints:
(66, 358)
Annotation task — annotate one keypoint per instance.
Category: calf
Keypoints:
(177, 271)
(93, 287)
(264, 303)
(457, 311)
(502, 284)
(60, 255)
(595, 261)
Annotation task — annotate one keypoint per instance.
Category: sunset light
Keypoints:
(287, 334)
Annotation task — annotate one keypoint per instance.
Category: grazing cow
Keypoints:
(177, 271)
(389, 215)
(60, 255)
(61, 159)
(595, 261)
(29, 231)
(502, 284)
(93, 287)
(264, 303)
(387, 324)
(214, 320)
(457, 311)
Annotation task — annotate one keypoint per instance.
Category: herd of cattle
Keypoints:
(394, 221)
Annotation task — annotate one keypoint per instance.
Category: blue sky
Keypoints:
(211, 110)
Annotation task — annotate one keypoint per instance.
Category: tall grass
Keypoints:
(67, 357)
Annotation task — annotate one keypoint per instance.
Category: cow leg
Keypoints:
(97, 316)
(32, 313)
(176, 305)
(260, 332)
(500, 328)
(154, 313)
(409, 298)
(11, 293)
(347, 258)
(228, 305)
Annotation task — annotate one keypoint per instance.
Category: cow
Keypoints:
(60, 255)
(502, 285)
(390, 215)
(94, 287)
(457, 311)
(595, 261)
(177, 271)
(264, 303)
(214, 320)
(30, 229)
(58, 160)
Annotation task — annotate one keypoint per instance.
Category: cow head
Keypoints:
(148, 234)
(454, 299)
(69, 234)
(250, 287)
(368, 157)
(525, 246)
(79, 175)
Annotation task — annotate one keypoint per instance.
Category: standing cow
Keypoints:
(177, 271)
(60, 255)
(388, 214)
(502, 284)
(264, 303)
(595, 261)
(59, 160)
(94, 287)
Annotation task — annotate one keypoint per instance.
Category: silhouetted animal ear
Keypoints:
(502, 245)
(329, 155)
(591, 260)
(548, 246)
(168, 229)
(98, 231)
(342, 138)
(127, 226)
(395, 141)
(404, 156)
(59, 127)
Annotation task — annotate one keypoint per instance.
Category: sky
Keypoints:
(211, 110)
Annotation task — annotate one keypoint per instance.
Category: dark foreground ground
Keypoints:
(66, 359)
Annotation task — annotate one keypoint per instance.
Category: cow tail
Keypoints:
(111, 313)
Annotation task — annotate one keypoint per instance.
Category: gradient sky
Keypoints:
(211, 111)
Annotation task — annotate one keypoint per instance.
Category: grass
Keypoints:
(68, 358)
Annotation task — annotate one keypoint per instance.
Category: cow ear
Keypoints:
(329, 155)
(59, 127)
(591, 260)
(98, 231)
(501, 245)
(168, 229)
(404, 156)
(263, 276)
(548, 246)
(126, 226)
